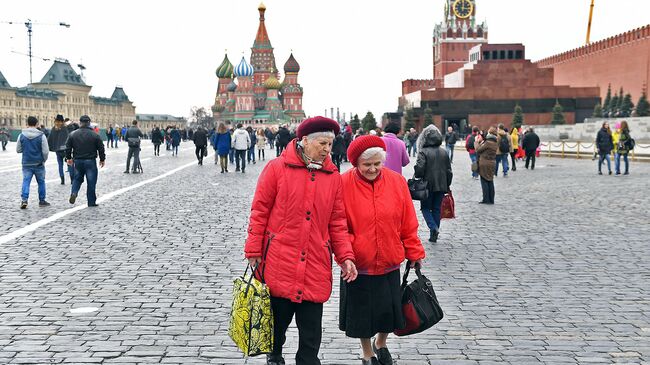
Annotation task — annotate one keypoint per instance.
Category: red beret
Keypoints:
(361, 144)
(317, 124)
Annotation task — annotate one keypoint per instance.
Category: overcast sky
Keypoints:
(353, 54)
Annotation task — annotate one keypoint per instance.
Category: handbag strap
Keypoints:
(250, 279)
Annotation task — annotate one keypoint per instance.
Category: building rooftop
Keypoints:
(4, 84)
(62, 72)
(30, 92)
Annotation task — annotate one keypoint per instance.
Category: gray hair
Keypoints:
(372, 152)
(315, 135)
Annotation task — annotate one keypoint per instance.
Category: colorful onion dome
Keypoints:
(225, 70)
(272, 83)
(291, 65)
(244, 69)
(232, 86)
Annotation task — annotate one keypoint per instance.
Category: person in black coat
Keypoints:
(156, 139)
(530, 144)
(434, 166)
(338, 150)
(605, 145)
(200, 138)
(283, 139)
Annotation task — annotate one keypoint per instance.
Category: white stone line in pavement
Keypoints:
(34, 226)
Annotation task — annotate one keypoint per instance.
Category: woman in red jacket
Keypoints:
(383, 229)
(297, 221)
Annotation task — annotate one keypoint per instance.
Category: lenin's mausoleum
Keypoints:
(478, 83)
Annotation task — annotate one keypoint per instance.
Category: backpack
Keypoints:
(630, 143)
(504, 145)
(471, 141)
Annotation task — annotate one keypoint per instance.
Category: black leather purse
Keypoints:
(418, 188)
(420, 305)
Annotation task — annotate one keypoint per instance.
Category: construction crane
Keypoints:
(591, 14)
(29, 25)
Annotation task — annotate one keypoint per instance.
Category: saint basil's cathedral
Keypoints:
(252, 93)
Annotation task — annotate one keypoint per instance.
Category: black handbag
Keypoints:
(420, 306)
(418, 188)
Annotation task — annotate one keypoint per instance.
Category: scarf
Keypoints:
(309, 162)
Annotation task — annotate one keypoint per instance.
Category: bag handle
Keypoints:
(250, 279)
(406, 274)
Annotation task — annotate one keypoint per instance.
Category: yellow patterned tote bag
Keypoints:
(251, 317)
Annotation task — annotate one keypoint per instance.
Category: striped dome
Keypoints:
(272, 83)
(232, 86)
(291, 66)
(224, 70)
(244, 68)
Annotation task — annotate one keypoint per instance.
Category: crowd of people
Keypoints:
(619, 142)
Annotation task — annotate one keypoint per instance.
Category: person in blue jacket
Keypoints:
(175, 135)
(221, 143)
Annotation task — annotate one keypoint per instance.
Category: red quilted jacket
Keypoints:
(297, 221)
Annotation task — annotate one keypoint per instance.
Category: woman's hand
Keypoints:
(254, 261)
(348, 271)
(417, 262)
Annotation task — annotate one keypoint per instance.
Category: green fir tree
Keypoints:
(619, 106)
(518, 117)
(428, 117)
(643, 107)
(355, 123)
(613, 106)
(558, 117)
(607, 102)
(409, 120)
(598, 111)
(368, 122)
(627, 106)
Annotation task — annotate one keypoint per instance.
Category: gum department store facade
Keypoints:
(61, 91)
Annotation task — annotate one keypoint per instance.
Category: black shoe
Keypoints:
(43, 203)
(600, 172)
(618, 172)
(610, 172)
(373, 361)
(383, 355)
(433, 237)
(243, 171)
(274, 360)
(626, 173)
(62, 180)
(23, 204)
(93, 205)
(126, 172)
(514, 169)
(73, 198)
(237, 169)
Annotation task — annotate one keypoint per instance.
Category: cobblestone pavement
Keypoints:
(557, 272)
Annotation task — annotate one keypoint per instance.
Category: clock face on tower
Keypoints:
(463, 8)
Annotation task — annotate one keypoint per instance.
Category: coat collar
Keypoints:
(291, 158)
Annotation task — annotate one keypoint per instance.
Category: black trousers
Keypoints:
(156, 149)
(514, 160)
(240, 155)
(530, 157)
(488, 191)
(198, 151)
(337, 160)
(309, 317)
(135, 153)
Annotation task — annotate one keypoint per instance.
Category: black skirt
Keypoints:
(371, 304)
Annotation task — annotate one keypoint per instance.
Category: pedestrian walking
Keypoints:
(270, 137)
(115, 133)
(503, 151)
(383, 230)
(221, 143)
(250, 155)
(623, 147)
(297, 221)
(32, 144)
(4, 137)
(200, 139)
(261, 144)
(530, 144)
(133, 139)
(433, 166)
(470, 147)
(156, 139)
(57, 139)
(282, 139)
(514, 147)
(451, 137)
(241, 142)
(231, 153)
(605, 145)
(109, 136)
(123, 133)
(338, 150)
(396, 154)
(486, 152)
(413, 139)
(82, 148)
(175, 140)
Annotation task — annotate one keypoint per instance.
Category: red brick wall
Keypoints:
(622, 61)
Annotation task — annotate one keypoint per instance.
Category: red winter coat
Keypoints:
(297, 221)
(382, 222)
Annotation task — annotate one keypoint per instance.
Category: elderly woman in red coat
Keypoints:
(297, 221)
(383, 229)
